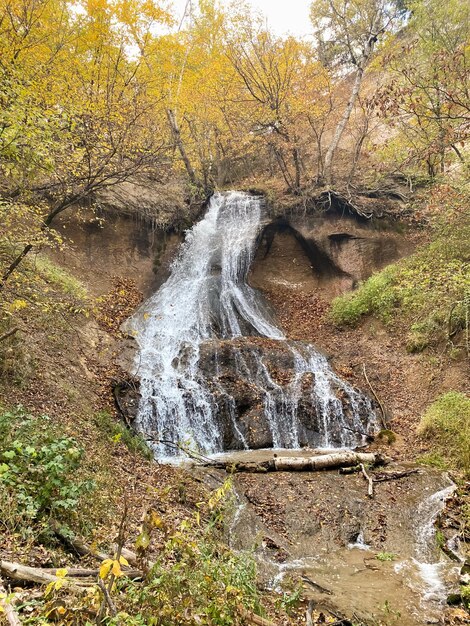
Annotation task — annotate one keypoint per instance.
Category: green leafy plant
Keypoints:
(118, 432)
(197, 579)
(37, 470)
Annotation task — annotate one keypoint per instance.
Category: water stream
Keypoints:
(207, 298)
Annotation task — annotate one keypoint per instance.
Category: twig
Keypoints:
(370, 491)
(309, 617)
(196, 456)
(316, 586)
(9, 333)
(384, 422)
(7, 607)
(384, 476)
(112, 577)
(107, 597)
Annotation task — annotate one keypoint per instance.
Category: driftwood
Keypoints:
(354, 469)
(302, 464)
(8, 608)
(252, 618)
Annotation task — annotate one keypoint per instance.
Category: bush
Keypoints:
(37, 470)
(447, 422)
(196, 581)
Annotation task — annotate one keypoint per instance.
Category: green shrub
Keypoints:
(447, 422)
(37, 470)
(196, 581)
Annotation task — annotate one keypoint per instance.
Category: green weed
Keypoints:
(118, 432)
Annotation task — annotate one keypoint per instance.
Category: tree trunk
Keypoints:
(180, 145)
(327, 169)
(360, 65)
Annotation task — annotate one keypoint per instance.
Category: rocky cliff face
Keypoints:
(326, 253)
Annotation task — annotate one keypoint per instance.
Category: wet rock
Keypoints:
(247, 373)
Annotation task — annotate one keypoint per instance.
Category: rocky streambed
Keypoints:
(375, 561)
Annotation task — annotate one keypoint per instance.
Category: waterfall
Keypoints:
(206, 304)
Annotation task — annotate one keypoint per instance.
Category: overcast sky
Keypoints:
(284, 16)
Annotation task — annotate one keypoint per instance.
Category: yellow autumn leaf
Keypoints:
(156, 520)
(62, 572)
(116, 569)
(49, 588)
(105, 568)
(123, 561)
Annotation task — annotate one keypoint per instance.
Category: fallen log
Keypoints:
(16, 571)
(8, 608)
(74, 572)
(302, 464)
(83, 549)
(252, 618)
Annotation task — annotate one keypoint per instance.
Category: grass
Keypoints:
(429, 291)
(58, 277)
(447, 423)
(385, 556)
(117, 432)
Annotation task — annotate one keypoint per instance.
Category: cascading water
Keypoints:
(207, 301)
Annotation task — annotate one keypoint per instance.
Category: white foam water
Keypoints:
(207, 297)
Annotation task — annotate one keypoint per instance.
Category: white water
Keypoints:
(205, 298)
(430, 567)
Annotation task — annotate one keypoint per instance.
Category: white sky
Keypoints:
(283, 16)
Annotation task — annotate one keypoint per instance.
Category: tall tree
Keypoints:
(347, 32)
(427, 98)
